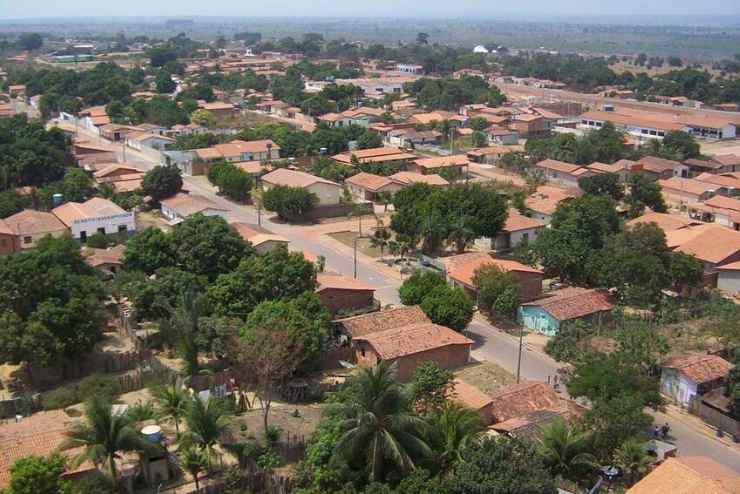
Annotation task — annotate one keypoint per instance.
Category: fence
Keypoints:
(250, 481)
(709, 409)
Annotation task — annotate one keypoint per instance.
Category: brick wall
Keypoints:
(336, 300)
(447, 357)
(530, 286)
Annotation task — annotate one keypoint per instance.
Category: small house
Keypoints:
(368, 187)
(343, 294)
(410, 346)
(261, 239)
(546, 315)
(327, 192)
(96, 215)
(693, 374)
(183, 205)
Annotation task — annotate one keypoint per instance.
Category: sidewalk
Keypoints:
(698, 425)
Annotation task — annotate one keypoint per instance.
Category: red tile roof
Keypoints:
(518, 400)
(574, 302)
(464, 271)
(294, 178)
(666, 222)
(516, 221)
(385, 319)
(408, 340)
(369, 181)
(443, 161)
(708, 242)
(339, 282)
(32, 222)
(469, 395)
(40, 434)
(559, 166)
(700, 368)
(688, 475)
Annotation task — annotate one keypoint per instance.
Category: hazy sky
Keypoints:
(385, 8)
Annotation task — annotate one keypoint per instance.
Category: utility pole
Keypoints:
(519, 360)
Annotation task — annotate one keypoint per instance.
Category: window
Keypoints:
(101, 230)
(122, 228)
(27, 240)
(525, 237)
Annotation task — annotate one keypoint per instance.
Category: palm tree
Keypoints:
(206, 421)
(193, 460)
(380, 239)
(450, 430)
(633, 459)
(381, 428)
(186, 319)
(171, 403)
(103, 435)
(565, 451)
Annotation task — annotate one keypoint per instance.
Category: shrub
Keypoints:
(290, 203)
(272, 434)
(96, 385)
(61, 397)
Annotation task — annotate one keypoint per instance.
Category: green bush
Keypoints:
(97, 385)
(59, 398)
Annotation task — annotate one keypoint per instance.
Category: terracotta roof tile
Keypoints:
(369, 181)
(518, 400)
(464, 271)
(410, 178)
(32, 222)
(294, 178)
(688, 475)
(386, 319)
(443, 161)
(95, 207)
(516, 221)
(708, 242)
(469, 395)
(337, 281)
(39, 434)
(700, 368)
(574, 302)
(688, 185)
(666, 222)
(189, 204)
(559, 166)
(408, 340)
(547, 198)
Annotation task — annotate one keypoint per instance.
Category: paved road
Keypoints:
(490, 343)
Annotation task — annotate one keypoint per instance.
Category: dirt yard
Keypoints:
(363, 244)
(720, 147)
(145, 219)
(486, 376)
(296, 420)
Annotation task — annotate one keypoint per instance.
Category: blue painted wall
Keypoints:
(537, 319)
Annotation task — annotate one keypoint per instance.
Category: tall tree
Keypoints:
(381, 432)
(451, 429)
(500, 465)
(104, 435)
(565, 452)
(268, 356)
(206, 421)
(171, 403)
(162, 182)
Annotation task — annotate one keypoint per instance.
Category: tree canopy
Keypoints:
(51, 302)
